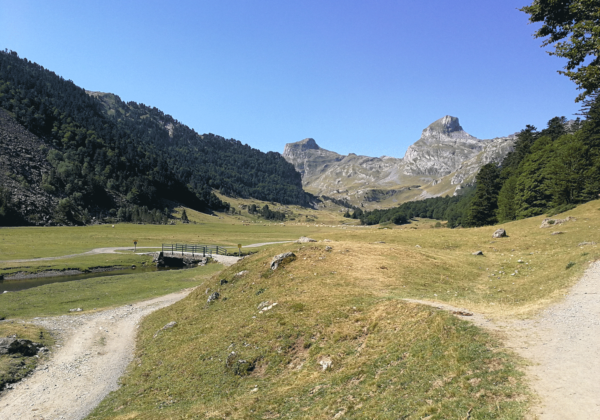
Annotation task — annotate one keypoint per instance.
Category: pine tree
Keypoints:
(482, 209)
(532, 193)
(507, 210)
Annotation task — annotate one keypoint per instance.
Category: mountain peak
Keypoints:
(445, 125)
(308, 144)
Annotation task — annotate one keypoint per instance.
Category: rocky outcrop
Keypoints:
(444, 157)
(23, 162)
(13, 345)
(281, 259)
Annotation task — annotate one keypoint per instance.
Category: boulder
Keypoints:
(304, 240)
(213, 297)
(500, 233)
(282, 259)
(13, 345)
(478, 253)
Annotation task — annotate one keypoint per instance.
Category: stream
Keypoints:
(15, 285)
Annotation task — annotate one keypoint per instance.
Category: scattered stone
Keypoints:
(75, 310)
(304, 240)
(417, 246)
(326, 363)
(478, 253)
(547, 222)
(166, 327)
(263, 304)
(558, 232)
(267, 308)
(379, 242)
(520, 261)
(586, 243)
(223, 281)
(241, 273)
(213, 297)
(282, 259)
(240, 367)
(328, 248)
(462, 313)
(500, 233)
(326, 240)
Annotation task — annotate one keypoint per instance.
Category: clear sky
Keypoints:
(357, 76)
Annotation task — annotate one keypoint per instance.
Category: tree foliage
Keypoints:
(572, 27)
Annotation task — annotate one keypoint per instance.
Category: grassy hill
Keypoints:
(342, 308)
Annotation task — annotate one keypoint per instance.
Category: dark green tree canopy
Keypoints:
(573, 28)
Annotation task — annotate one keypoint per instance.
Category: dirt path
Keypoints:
(563, 346)
(93, 351)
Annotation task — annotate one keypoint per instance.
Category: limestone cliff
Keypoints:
(444, 157)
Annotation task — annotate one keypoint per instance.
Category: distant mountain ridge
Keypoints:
(444, 158)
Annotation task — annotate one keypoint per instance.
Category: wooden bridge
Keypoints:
(195, 250)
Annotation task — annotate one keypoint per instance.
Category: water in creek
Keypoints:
(16, 285)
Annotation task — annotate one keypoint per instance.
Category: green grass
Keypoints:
(37, 242)
(391, 359)
(101, 292)
(82, 263)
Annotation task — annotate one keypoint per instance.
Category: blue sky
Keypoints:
(357, 76)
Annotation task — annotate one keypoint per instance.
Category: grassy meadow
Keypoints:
(340, 308)
(101, 292)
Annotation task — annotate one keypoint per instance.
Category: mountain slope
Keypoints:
(101, 163)
(442, 159)
(233, 168)
(24, 165)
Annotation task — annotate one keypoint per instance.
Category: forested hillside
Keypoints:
(102, 164)
(549, 171)
(235, 169)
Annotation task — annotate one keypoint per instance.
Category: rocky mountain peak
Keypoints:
(308, 144)
(445, 125)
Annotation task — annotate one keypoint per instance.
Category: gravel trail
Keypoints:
(563, 346)
(93, 351)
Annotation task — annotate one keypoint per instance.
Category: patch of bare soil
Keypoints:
(93, 351)
(563, 347)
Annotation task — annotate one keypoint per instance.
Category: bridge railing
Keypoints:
(204, 250)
